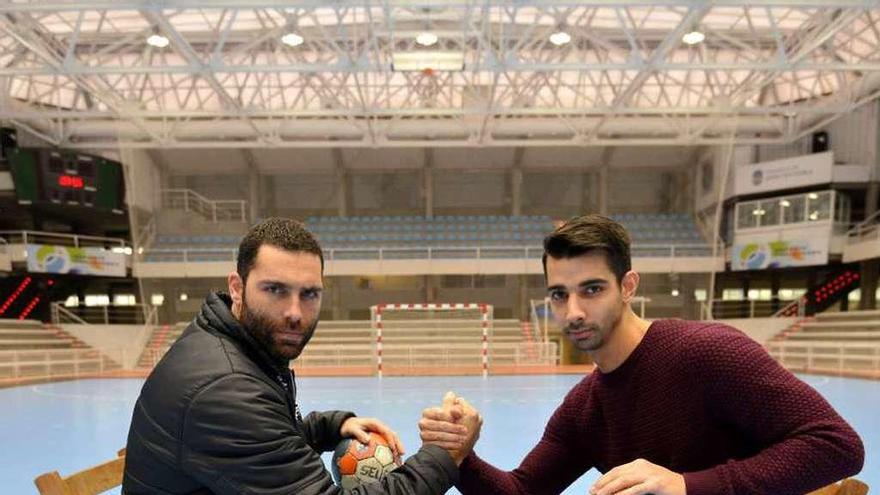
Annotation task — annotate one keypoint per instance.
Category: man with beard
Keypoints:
(218, 414)
(674, 407)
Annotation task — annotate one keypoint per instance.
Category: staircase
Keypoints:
(792, 329)
(160, 340)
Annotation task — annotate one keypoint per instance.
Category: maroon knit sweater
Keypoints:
(701, 399)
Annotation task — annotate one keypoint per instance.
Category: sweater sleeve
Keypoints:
(804, 443)
(552, 465)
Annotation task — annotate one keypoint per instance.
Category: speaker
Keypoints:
(8, 141)
(820, 142)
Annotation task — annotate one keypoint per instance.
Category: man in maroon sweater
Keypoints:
(675, 407)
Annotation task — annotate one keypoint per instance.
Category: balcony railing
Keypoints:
(185, 255)
(213, 210)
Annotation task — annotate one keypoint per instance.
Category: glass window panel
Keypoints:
(769, 212)
(818, 206)
(732, 295)
(792, 209)
(746, 217)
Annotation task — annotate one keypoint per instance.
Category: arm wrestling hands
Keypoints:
(455, 426)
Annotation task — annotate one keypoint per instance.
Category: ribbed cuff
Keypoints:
(704, 482)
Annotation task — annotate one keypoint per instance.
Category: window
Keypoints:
(732, 295)
(124, 300)
(700, 294)
(97, 300)
(818, 206)
(157, 299)
(71, 302)
(747, 215)
(792, 209)
(769, 212)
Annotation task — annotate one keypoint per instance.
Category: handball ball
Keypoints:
(355, 463)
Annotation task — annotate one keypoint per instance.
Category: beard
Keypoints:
(599, 332)
(270, 335)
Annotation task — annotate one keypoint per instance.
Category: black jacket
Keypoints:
(215, 416)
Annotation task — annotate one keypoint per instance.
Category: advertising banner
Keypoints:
(44, 258)
(788, 173)
(758, 255)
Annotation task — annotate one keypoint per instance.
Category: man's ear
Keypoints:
(629, 285)
(236, 292)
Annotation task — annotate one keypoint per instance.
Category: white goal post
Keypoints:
(432, 334)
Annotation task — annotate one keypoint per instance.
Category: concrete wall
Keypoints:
(142, 180)
(122, 343)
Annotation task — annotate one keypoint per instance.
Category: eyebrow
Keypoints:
(315, 288)
(585, 283)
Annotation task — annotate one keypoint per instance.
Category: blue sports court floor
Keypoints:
(72, 425)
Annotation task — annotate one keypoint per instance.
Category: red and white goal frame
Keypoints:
(485, 311)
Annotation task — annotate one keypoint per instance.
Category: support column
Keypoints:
(253, 187)
(428, 183)
(342, 187)
(869, 272)
(335, 298)
(775, 282)
(523, 300)
(516, 181)
(687, 284)
(602, 185)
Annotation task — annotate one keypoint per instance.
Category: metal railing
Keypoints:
(147, 235)
(214, 210)
(419, 253)
(47, 363)
(867, 229)
(837, 356)
(60, 239)
(745, 308)
(135, 314)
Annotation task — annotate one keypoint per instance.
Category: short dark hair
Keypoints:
(589, 233)
(284, 233)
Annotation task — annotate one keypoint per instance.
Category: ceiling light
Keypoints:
(758, 212)
(813, 196)
(158, 41)
(184, 296)
(814, 215)
(785, 203)
(560, 38)
(693, 37)
(292, 39)
(674, 292)
(426, 38)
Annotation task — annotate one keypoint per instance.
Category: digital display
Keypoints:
(67, 178)
(71, 182)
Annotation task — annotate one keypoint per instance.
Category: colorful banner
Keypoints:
(45, 258)
(759, 255)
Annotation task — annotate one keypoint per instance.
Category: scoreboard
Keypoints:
(66, 178)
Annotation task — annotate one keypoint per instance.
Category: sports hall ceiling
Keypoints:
(352, 73)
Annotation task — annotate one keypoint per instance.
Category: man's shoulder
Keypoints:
(197, 359)
(703, 332)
